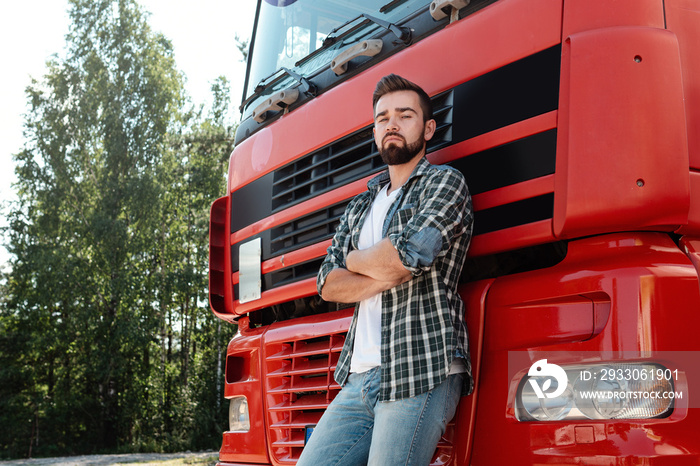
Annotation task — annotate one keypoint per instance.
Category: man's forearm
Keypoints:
(344, 286)
(380, 262)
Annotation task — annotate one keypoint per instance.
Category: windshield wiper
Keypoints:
(405, 35)
(305, 86)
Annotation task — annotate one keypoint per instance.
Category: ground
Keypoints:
(206, 458)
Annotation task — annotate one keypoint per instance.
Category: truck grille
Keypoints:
(299, 388)
(498, 100)
(345, 160)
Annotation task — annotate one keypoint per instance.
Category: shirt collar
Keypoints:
(378, 182)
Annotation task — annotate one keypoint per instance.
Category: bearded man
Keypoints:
(398, 253)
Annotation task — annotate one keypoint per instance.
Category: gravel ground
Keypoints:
(153, 459)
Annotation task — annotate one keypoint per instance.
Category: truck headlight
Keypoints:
(595, 391)
(238, 418)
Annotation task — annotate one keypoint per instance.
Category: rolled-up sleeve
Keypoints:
(443, 213)
(340, 245)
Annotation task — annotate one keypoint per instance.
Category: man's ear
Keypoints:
(429, 130)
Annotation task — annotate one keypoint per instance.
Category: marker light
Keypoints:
(597, 391)
(238, 418)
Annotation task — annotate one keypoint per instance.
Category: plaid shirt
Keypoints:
(422, 322)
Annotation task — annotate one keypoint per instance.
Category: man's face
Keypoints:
(399, 130)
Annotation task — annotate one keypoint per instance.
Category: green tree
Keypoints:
(80, 314)
(200, 156)
(107, 342)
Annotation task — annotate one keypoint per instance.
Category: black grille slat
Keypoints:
(298, 233)
(344, 161)
(279, 174)
(302, 232)
(516, 213)
(292, 274)
(329, 174)
(352, 170)
(524, 159)
(442, 114)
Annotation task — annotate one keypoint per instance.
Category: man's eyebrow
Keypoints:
(398, 110)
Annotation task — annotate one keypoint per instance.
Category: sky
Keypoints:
(32, 31)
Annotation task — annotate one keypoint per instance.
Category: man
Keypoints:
(398, 252)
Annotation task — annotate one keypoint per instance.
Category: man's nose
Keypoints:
(392, 125)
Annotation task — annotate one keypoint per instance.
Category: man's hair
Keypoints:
(395, 83)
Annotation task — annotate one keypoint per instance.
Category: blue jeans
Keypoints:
(358, 429)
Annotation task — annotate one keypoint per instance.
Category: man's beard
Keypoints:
(398, 155)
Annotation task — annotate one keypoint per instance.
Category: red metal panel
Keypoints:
(248, 446)
(691, 246)
(300, 289)
(522, 236)
(653, 297)
(693, 225)
(220, 287)
(560, 319)
(683, 18)
(474, 295)
(622, 155)
(514, 193)
(584, 15)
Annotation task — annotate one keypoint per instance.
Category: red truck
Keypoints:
(577, 126)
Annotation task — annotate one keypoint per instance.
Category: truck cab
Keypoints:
(577, 127)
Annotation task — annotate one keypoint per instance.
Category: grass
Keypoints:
(210, 459)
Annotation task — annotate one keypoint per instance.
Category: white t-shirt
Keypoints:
(368, 334)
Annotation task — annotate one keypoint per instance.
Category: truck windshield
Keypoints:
(290, 34)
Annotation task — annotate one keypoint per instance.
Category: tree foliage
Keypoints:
(106, 339)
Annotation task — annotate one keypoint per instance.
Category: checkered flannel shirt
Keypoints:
(422, 323)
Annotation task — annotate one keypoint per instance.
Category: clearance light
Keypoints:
(238, 418)
(596, 391)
